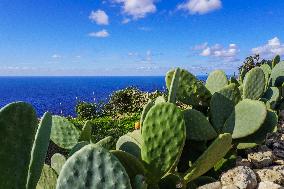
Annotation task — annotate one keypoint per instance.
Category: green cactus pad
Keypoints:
(267, 71)
(216, 151)
(107, 142)
(216, 81)
(47, 179)
(131, 164)
(130, 143)
(64, 133)
(39, 150)
(159, 99)
(254, 84)
(269, 126)
(275, 61)
(198, 127)
(273, 95)
(93, 167)
(86, 133)
(174, 86)
(18, 124)
(190, 91)
(266, 102)
(164, 135)
(77, 147)
(57, 162)
(222, 105)
(246, 119)
(172, 181)
(140, 182)
(276, 77)
(146, 108)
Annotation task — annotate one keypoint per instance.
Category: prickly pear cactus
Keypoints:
(130, 143)
(267, 71)
(216, 81)
(275, 61)
(57, 162)
(222, 105)
(159, 99)
(107, 142)
(254, 84)
(172, 181)
(174, 86)
(93, 167)
(86, 133)
(247, 117)
(140, 182)
(77, 147)
(198, 127)
(64, 133)
(163, 136)
(18, 124)
(146, 108)
(191, 91)
(269, 126)
(39, 150)
(272, 94)
(276, 77)
(216, 151)
(47, 179)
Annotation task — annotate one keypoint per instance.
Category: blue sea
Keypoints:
(59, 95)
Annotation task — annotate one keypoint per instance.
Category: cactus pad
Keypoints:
(93, 167)
(246, 119)
(174, 86)
(276, 77)
(57, 162)
(106, 142)
(216, 81)
(130, 143)
(269, 126)
(254, 84)
(163, 136)
(47, 179)
(77, 147)
(140, 182)
(39, 150)
(86, 133)
(215, 152)
(267, 71)
(222, 105)
(275, 61)
(18, 124)
(146, 108)
(198, 127)
(64, 133)
(190, 91)
(272, 94)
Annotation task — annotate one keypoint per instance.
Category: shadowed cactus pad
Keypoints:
(222, 105)
(64, 133)
(216, 81)
(198, 127)
(57, 162)
(39, 150)
(190, 91)
(277, 74)
(86, 133)
(218, 149)
(254, 84)
(18, 124)
(130, 143)
(47, 179)
(272, 94)
(93, 167)
(246, 119)
(163, 136)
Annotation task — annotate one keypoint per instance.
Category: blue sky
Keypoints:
(135, 37)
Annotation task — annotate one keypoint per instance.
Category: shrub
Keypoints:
(86, 110)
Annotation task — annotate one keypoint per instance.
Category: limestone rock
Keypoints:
(213, 185)
(269, 185)
(270, 175)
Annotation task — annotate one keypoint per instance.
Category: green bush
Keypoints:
(86, 110)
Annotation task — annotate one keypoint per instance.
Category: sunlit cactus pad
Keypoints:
(254, 84)
(93, 167)
(216, 81)
(164, 135)
(63, 133)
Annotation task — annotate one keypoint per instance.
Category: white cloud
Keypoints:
(270, 49)
(200, 6)
(100, 17)
(56, 56)
(101, 34)
(218, 51)
(137, 8)
(125, 20)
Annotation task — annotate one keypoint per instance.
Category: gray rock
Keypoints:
(230, 187)
(213, 185)
(278, 168)
(269, 185)
(241, 176)
(243, 162)
(270, 175)
(262, 157)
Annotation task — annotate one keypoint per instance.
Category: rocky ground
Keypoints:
(260, 168)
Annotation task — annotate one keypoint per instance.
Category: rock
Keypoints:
(269, 185)
(213, 185)
(243, 162)
(241, 176)
(270, 175)
(230, 187)
(262, 157)
(278, 153)
(278, 168)
(279, 162)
